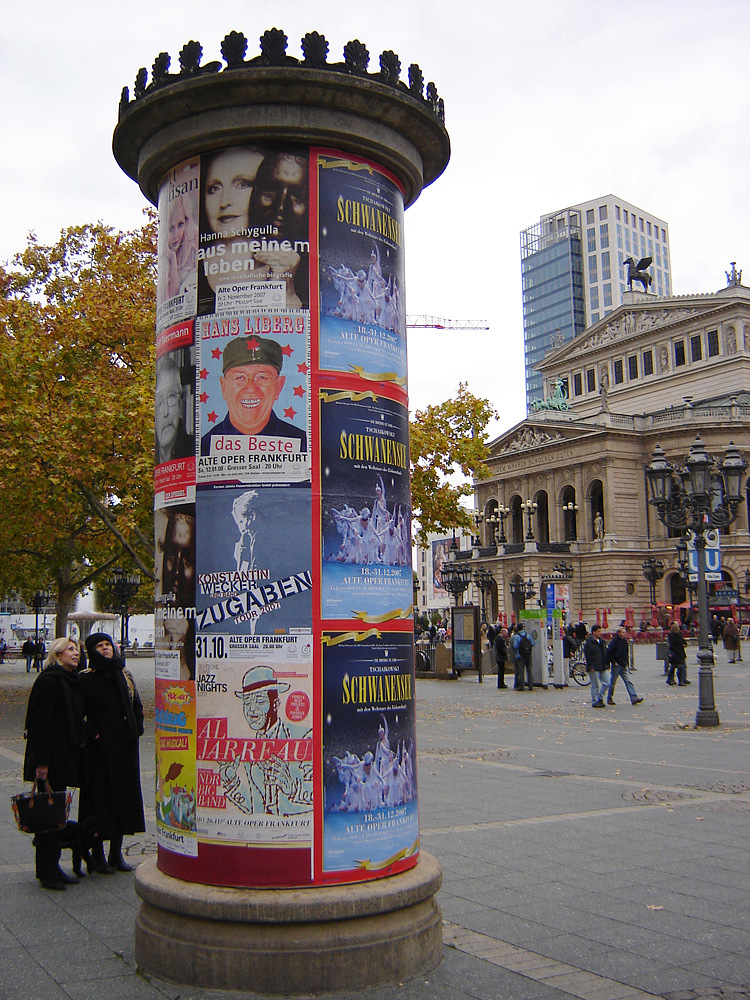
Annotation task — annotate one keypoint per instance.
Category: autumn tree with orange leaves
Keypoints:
(448, 441)
(76, 410)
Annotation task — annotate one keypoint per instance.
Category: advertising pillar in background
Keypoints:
(285, 697)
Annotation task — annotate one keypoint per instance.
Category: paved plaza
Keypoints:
(596, 854)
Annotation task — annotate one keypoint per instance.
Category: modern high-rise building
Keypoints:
(574, 272)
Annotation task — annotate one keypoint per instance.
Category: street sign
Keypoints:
(713, 557)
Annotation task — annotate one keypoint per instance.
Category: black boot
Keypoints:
(116, 860)
(99, 862)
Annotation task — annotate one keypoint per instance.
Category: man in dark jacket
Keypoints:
(55, 737)
(618, 658)
(501, 655)
(522, 644)
(595, 654)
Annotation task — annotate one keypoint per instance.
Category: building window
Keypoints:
(641, 224)
(696, 348)
(607, 295)
(602, 212)
(648, 362)
(591, 240)
(679, 353)
(618, 372)
(594, 296)
(606, 271)
(713, 343)
(604, 235)
(632, 367)
(589, 216)
(648, 228)
(617, 212)
(594, 318)
(627, 240)
(663, 236)
(578, 384)
(592, 269)
(590, 380)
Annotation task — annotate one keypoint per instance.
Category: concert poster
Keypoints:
(369, 763)
(175, 766)
(174, 589)
(174, 416)
(366, 506)
(255, 747)
(254, 247)
(177, 248)
(253, 395)
(361, 270)
(253, 561)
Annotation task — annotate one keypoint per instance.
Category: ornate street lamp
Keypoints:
(39, 601)
(456, 578)
(682, 566)
(653, 570)
(483, 579)
(498, 517)
(523, 591)
(529, 507)
(700, 496)
(122, 587)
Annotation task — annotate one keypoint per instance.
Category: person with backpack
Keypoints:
(523, 644)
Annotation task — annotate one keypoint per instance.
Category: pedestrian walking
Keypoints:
(501, 655)
(27, 651)
(731, 637)
(677, 659)
(40, 651)
(595, 655)
(618, 657)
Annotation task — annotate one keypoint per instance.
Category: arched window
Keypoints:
(491, 522)
(516, 521)
(542, 516)
(570, 514)
(596, 507)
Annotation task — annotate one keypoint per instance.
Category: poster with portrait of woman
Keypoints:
(366, 506)
(361, 270)
(177, 284)
(254, 248)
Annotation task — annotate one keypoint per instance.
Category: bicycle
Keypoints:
(577, 670)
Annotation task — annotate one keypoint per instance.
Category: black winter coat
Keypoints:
(676, 644)
(595, 654)
(54, 727)
(114, 722)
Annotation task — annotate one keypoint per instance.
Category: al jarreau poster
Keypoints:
(369, 762)
(253, 574)
(254, 248)
(177, 284)
(366, 511)
(362, 312)
(253, 394)
(255, 738)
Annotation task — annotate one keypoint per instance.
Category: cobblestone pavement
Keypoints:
(591, 854)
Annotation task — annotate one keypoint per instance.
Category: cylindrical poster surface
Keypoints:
(285, 716)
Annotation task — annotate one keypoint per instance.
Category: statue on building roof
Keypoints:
(638, 272)
(734, 277)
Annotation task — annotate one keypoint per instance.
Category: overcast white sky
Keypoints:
(547, 103)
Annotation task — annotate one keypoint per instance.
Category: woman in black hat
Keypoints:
(114, 722)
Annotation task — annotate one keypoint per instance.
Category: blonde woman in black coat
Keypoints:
(114, 724)
(55, 739)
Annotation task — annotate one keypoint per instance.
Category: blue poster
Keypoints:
(362, 312)
(254, 574)
(366, 506)
(369, 763)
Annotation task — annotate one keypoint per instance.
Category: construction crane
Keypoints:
(438, 323)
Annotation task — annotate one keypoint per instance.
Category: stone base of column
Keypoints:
(285, 942)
